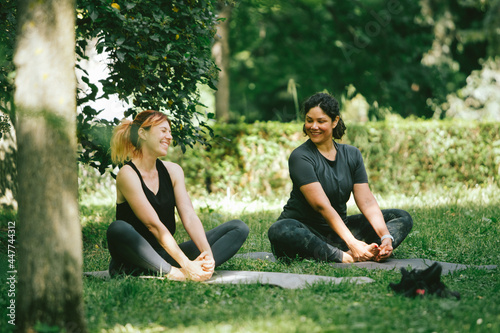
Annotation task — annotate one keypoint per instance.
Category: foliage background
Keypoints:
(403, 156)
(425, 59)
(158, 52)
(403, 55)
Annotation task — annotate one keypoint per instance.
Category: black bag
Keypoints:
(422, 282)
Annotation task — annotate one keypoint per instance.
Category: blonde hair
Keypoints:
(125, 143)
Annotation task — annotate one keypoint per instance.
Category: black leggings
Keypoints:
(291, 239)
(131, 254)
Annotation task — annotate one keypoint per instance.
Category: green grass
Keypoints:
(456, 225)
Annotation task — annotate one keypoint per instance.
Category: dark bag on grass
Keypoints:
(423, 282)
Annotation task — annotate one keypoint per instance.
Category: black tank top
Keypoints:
(163, 203)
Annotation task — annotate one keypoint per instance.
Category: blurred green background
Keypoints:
(431, 59)
(415, 79)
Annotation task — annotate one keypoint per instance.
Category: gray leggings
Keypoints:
(291, 239)
(131, 254)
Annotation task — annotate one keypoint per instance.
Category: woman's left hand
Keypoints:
(208, 264)
(385, 251)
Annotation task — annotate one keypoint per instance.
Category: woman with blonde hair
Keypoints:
(148, 191)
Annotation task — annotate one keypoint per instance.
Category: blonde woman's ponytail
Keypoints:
(121, 146)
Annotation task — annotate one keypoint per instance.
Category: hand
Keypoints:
(385, 250)
(194, 271)
(360, 251)
(208, 262)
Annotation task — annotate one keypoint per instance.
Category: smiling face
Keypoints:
(319, 126)
(157, 138)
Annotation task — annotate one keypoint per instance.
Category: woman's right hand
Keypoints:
(360, 251)
(194, 271)
(208, 261)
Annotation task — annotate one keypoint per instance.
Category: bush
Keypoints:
(400, 155)
(414, 155)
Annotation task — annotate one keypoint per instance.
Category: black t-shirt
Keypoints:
(307, 165)
(163, 203)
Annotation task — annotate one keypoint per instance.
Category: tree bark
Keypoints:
(220, 52)
(492, 25)
(49, 232)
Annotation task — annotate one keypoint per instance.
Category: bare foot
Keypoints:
(176, 274)
(374, 249)
(347, 257)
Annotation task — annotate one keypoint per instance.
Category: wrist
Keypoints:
(184, 262)
(386, 236)
(350, 241)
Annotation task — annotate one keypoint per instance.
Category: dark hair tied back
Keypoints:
(330, 107)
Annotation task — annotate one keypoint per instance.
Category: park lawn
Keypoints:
(455, 225)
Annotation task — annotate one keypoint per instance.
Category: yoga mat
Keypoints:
(294, 281)
(283, 280)
(390, 264)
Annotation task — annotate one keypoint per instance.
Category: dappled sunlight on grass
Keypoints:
(239, 204)
(437, 196)
(283, 323)
(460, 225)
(440, 196)
(138, 305)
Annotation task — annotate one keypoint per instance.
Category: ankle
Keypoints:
(347, 258)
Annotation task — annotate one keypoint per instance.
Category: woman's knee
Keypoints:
(274, 230)
(121, 231)
(116, 228)
(401, 215)
(236, 228)
(407, 219)
(241, 226)
(279, 228)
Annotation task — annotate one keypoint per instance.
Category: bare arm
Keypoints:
(188, 216)
(369, 207)
(316, 197)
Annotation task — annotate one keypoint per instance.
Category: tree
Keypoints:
(221, 54)
(159, 51)
(400, 54)
(7, 37)
(464, 37)
(8, 147)
(376, 46)
(50, 251)
(492, 25)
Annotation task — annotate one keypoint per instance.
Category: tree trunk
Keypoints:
(220, 52)
(49, 232)
(492, 24)
(8, 169)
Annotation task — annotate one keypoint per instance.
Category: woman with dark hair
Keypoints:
(148, 190)
(314, 222)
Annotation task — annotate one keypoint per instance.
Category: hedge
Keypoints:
(400, 155)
